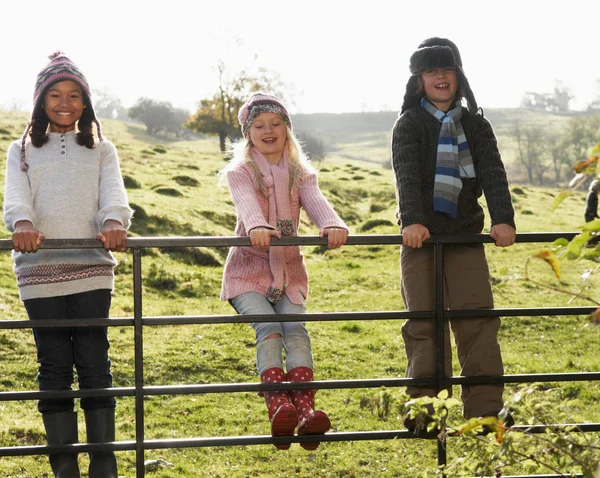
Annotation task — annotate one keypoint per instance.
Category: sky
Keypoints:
(335, 56)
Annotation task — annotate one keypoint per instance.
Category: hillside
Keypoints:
(365, 137)
(174, 190)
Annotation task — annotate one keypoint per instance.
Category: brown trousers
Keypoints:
(466, 286)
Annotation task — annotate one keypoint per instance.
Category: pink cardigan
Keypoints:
(247, 269)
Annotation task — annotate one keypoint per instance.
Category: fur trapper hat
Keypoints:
(436, 53)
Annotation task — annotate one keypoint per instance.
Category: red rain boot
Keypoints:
(311, 422)
(282, 413)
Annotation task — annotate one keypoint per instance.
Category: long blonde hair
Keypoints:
(298, 167)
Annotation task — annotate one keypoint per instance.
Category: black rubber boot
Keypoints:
(61, 429)
(100, 426)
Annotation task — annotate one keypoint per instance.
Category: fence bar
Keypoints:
(439, 315)
(228, 241)
(194, 389)
(256, 440)
(139, 363)
(313, 317)
(440, 343)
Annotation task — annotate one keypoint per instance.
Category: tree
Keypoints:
(531, 142)
(159, 116)
(217, 115)
(311, 145)
(555, 102)
(580, 135)
(107, 105)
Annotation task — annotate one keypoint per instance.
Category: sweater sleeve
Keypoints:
(492, 175)
(113, 203)
(18, 200)
(244, 198)
(406, 161)
(316, 205)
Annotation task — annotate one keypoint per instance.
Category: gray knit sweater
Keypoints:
(414, 150)
(68, 192)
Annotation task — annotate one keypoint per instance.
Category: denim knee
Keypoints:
(298, 351)
(269, 354)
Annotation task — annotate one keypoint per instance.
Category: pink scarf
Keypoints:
(276, 179)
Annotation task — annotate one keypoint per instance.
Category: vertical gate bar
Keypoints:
(440, 369)
(139, 362)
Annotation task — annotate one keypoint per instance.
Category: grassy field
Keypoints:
(174, 189)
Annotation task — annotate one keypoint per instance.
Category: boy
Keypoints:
(444, 155)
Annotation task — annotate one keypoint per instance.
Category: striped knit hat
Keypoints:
(435, 53)
(60, 68)
(261, 103)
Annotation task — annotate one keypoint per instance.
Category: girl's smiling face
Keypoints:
(63, 104)
(440, 87)
(268, 134)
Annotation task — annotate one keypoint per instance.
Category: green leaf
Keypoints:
(560, 242)
(443, 395)
(591, 226)
(558, 199)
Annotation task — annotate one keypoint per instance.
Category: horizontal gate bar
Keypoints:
(228, 241)
(254, 440)
(309, 317)
(319, 385)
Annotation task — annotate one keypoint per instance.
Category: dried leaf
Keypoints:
(548, 256)
(595, 316)
(587, 165)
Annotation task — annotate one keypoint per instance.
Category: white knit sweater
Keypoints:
(68, 192)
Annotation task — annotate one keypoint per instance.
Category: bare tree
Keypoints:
(531, 140)
(217, 115)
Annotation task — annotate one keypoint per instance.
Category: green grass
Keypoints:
(353, 278)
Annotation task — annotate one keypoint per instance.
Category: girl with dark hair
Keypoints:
(63, 181)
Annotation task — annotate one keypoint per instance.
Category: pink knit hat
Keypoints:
(60, 68)
(261, 103)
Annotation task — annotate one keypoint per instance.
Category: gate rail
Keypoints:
(138, 321)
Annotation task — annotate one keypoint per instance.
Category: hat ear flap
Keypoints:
(411, 97)
(466, 92)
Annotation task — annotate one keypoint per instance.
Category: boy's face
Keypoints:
(440, 87)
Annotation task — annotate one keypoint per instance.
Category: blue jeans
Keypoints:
(290, 336)
(58, 349)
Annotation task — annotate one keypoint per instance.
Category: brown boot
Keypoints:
(282, 414)
(311, 422)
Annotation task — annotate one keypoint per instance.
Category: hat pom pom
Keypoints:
(56, 54)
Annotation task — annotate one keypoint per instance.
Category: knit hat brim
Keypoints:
(261, 103)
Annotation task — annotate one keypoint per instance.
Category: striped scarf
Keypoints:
(453, 160)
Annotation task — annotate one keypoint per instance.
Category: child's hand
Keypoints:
(336, 236)
(260, 237)
(26, 238)
(414, 235)
(113, 235)
(503, 234)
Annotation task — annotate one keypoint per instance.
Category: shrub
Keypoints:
(169, 192)
(373, 223)
(158, 278)
(186, 181)
(131, 183)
